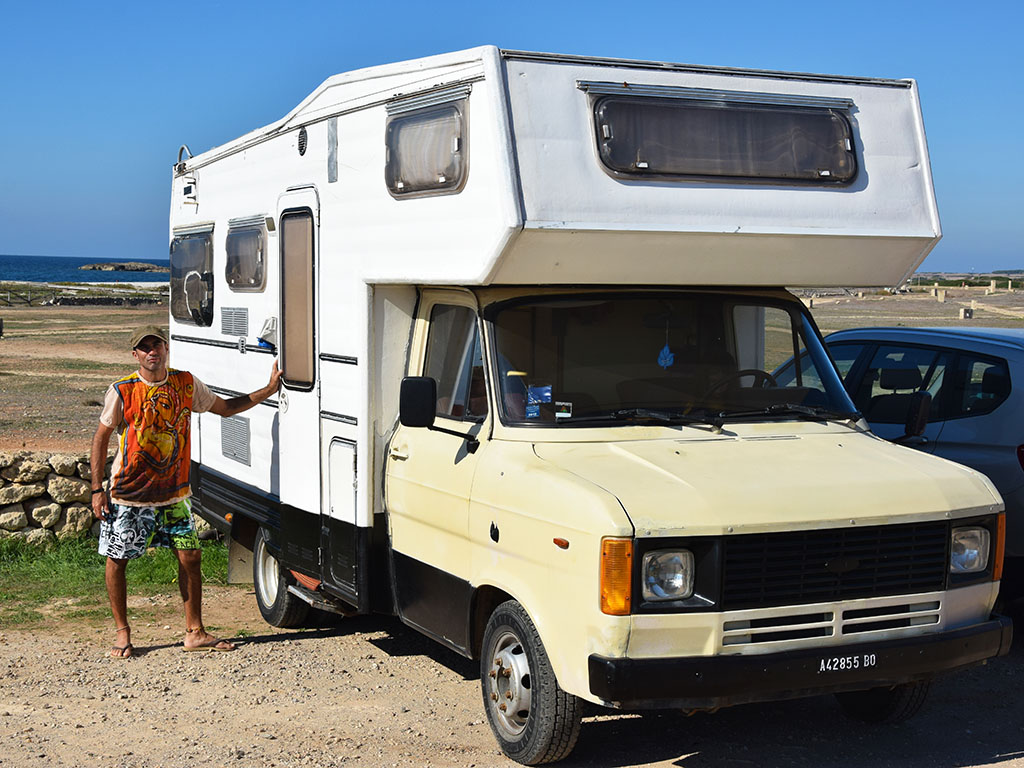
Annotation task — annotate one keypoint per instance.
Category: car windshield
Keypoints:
(658, 357)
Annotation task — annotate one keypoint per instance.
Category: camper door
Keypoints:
(298, 439)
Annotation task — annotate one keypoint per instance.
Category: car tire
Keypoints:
(532, 718)
(885, 705)
(280, 608)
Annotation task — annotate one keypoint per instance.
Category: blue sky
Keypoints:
(97, 97)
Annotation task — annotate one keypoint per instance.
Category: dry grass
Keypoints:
(55, 364)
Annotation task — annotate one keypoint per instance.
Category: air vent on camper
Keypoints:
(234, 321)
(234, 439)
(302, 140)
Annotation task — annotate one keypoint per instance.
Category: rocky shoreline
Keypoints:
(125, 266)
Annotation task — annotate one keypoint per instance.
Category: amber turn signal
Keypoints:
(616, 576)
(229, 516)
(997, 564)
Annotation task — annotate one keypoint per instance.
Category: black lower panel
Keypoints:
(299, 540)
(433, 601)
(716, 681)
(216, 495)
(340, 564)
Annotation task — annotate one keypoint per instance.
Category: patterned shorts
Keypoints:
(129, 531)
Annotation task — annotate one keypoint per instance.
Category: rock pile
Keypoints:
(44, 497)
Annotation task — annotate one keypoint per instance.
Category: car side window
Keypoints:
(892, 377)
(982, 384)
(845, 356)
(455, 362)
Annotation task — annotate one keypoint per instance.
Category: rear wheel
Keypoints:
(533, 719)
(885, 705)
(280, 608)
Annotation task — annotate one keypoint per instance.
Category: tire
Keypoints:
(885, 705)
(280, 608)
(532, 718)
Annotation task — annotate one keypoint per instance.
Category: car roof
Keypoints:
(1009, 337)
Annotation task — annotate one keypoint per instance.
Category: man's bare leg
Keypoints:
(190, 584)
(117, 591)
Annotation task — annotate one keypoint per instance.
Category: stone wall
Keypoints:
(45, 496)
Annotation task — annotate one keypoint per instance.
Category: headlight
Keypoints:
(668, 575)
(969, 551)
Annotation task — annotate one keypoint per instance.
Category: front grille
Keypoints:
(792, 568)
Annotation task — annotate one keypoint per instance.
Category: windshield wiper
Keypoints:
(666, 417)
(813, 412)
(647, 414)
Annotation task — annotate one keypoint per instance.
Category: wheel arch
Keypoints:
(485, 599)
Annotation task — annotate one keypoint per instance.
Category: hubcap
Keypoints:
(509, 685)
(267, 583)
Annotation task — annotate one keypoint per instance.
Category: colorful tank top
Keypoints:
(154, 453)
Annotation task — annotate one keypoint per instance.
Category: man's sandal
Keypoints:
(213, 644)
(125, 651)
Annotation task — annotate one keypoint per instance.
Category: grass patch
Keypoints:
(67, 580)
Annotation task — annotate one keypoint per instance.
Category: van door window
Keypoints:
(297, 298)
(455, 362)
(894, 374)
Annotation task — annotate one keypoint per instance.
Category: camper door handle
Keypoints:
(399, 453)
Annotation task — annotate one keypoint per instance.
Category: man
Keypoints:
(149, 486)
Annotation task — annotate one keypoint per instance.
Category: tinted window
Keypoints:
(426, 150)
(455, 362)
(245, 269)
(894, 374)
(982, 384)
(192, 278)
(297, 298)
(845, 355)
(679, 137)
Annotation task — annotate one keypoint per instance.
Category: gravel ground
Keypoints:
(367, 691)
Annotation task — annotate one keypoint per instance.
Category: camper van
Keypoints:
(528, 308)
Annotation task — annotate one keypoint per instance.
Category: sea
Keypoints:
(65, 269)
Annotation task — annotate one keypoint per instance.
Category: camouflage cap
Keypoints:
(147, 330)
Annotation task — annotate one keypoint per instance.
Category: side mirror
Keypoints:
(417, 401)
(917, 414)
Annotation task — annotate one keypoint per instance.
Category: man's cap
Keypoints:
(147, 330)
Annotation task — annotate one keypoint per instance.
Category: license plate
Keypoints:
(847, 663)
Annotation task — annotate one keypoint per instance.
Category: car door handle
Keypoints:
(399, 453)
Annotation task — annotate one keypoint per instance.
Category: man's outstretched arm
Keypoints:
(241, 403)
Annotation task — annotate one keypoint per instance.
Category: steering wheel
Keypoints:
(762, 379)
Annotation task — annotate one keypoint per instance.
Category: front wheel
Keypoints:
(885, 705)
(533, 719)
(280, 608)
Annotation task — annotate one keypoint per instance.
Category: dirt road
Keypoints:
(369, 692)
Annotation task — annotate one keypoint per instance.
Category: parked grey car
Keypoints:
(976, 379)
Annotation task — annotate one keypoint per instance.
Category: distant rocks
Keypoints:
(125, 266)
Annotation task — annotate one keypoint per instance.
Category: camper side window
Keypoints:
(721, 140)
(192, 278)
(455, 362)
(245, 269)
(426, 151)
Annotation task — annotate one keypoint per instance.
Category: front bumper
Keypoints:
(707, 682)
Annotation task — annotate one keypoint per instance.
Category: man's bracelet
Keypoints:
(97, 490)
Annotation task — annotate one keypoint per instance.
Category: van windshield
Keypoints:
(665, 357)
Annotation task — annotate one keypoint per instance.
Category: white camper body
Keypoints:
(474, 178)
